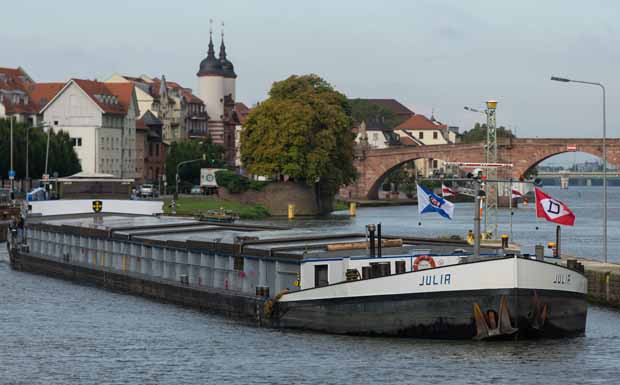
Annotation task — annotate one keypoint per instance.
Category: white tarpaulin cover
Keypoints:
(85, 206)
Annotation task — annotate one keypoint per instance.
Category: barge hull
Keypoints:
(441, 315)
(236, 306)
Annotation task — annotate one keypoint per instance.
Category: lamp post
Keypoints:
(176, 190)
(12, 171)
(490, 156)
(566, 80)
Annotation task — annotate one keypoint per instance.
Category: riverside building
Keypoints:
(100, 118)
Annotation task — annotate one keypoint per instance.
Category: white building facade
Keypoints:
(101, 121)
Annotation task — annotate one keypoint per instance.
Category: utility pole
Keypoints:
(12, 170)
(47, 151)
(491, 201)
(477, 198)
(27, 144)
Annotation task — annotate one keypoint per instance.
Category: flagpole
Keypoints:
(510, 205)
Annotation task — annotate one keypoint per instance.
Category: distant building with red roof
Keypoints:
(426, 131)
(15, 98)
(182, 113)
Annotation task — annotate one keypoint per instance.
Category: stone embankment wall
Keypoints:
(604, 287)
(603, 282)
(277, 196)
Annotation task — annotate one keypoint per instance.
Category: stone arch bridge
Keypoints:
(524, 153)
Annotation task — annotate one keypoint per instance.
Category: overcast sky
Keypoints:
(430, 55)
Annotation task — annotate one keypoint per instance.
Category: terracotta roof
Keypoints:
(121, 90)
(41, 93)
(124, 92)
(393, 105)
(242, 111)
(19, 108)
(420, 122)
(407, 141)
(12, 80)
(186, 93)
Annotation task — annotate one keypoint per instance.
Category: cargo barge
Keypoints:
(334, 283)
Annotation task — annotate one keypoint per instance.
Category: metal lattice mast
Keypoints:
(491, 202)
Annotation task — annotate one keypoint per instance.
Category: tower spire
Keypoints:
(222, 46)
(211, 51)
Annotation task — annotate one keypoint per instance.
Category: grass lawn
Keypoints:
(195, 205)
(340, 205)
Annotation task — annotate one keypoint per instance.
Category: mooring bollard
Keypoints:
(504, 241)
(291, 211)
(352, 209)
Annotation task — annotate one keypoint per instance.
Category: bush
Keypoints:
(235, 183)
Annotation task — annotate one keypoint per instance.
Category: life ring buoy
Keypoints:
(421, 258)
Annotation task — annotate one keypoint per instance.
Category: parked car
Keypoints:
(196, 190)
(146, 190)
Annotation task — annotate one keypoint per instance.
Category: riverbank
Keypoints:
(189, 205)
(603, 281)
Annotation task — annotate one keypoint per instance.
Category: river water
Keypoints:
(56, 332)
(584, 239)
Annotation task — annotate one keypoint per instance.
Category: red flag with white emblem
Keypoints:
(447, 191)
(552, 209)
(516, 193)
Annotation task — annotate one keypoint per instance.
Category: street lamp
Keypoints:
(566, 80)
(176, 190)
(12, 170)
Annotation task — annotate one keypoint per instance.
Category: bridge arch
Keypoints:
(374, 165)
(373, 192)
(524, 153)
(528, 163)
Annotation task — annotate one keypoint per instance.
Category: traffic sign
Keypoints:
(11, 174)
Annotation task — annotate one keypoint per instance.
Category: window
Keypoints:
(435, 135)
(76, 142)
(420, 135)
(434, 163)
(320, 276)
(156, 149)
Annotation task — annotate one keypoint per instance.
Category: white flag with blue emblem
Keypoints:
(428, 202)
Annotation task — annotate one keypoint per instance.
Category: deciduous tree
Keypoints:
(188, 150)
(62, 156)
(303, 131)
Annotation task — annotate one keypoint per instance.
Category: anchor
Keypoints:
(493, 325)
(538, 315)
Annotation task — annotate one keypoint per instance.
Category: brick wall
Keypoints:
(277, 196)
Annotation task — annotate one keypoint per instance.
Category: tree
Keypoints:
(188, 150)
(62, 156)
(479, 133)
(303, 131)
(373, 114)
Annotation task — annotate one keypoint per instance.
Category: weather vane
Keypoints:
(210, 26)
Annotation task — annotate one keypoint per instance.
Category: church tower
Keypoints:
(211, 91)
